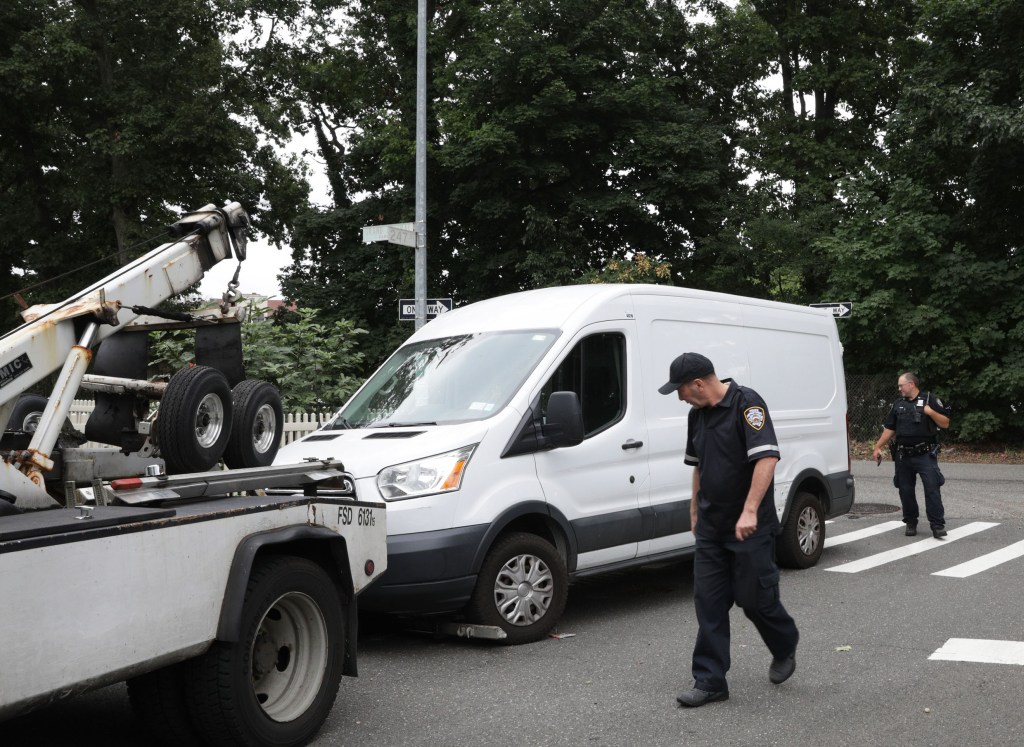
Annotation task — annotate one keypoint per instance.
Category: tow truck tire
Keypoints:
(158, 700)
(277, 683)
(194, 420)
(803, 535)
(256, 427)
(522, 588)
(26, 413)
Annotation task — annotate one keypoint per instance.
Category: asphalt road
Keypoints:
(864, 676)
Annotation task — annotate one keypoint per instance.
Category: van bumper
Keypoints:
(427, 572)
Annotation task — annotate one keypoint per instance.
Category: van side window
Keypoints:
(596, 370)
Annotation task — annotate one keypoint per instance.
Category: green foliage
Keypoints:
(636, 269)
(569, 141)
(312, 363)
(929, 241)
(117, 116)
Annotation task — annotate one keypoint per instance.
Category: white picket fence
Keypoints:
(296, 424)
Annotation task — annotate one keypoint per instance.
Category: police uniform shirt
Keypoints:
(908, 419)
(724, 442)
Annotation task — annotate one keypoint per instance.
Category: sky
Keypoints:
(263, 262)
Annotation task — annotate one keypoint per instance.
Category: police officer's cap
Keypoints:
(686, 367)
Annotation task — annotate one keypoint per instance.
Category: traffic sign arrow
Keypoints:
(840, 310)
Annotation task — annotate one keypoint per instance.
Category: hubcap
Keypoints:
(808, 531)
(264, 429)
(209, 420)
(523, 589)
(289, 657)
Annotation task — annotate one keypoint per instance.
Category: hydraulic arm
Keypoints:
(62, 335)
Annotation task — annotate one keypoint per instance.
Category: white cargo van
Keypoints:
(521, 442)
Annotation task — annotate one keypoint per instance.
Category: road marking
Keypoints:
(984, 562)
(985, 652)
(873, 561)
(871, 531)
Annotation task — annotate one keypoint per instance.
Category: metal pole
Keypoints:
(421, 165)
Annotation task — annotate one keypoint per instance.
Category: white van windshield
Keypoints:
(448, 380)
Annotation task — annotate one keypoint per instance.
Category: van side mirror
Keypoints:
(564, 423)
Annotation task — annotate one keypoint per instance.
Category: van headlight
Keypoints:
(436, 474)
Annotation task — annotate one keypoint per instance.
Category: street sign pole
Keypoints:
(421, 164)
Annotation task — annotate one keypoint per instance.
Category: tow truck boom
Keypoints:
(61, 335)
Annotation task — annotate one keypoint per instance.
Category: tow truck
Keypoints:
(226, 598)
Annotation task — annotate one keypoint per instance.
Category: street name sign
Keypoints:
(393, 233)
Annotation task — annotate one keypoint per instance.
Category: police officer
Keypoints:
(915, 420)
(732, 446)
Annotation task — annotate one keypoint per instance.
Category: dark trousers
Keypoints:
(743, 573)
(927, 466)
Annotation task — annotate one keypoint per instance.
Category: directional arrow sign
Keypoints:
(840, 310)
(435, 307)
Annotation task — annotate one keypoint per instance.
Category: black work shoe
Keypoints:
(782, 669)
(695, 697)
(938, 533)
(911, 530)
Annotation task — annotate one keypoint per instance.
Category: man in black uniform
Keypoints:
(915, 419)
(732, 446)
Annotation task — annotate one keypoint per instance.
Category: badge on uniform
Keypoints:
(755, 417)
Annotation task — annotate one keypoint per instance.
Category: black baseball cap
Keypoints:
(686, 367)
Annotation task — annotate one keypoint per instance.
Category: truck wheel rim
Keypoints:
(264, 429)
(289, 657)
(209, 420)
(523, 589)
(31, 422)
(808, 531)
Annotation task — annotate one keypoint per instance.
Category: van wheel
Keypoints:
(803, 535)
(521, 589)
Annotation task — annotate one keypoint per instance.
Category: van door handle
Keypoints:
(631, 444)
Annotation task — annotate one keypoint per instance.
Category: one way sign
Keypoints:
(435, 307)
(839, 310)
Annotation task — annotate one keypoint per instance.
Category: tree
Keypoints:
(117, 117)
(313, 364)
(930, 239)
(815, 82)
(562, 135)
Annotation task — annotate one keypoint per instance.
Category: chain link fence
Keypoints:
(869, 397)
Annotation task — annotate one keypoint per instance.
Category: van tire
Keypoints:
(803, 534)
(516, 562)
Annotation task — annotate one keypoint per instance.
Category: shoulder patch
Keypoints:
(939, 402)
(754, 417)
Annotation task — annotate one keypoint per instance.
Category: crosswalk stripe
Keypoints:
(979, 650)
(873, 561)
(871, 531)
(984, 562)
